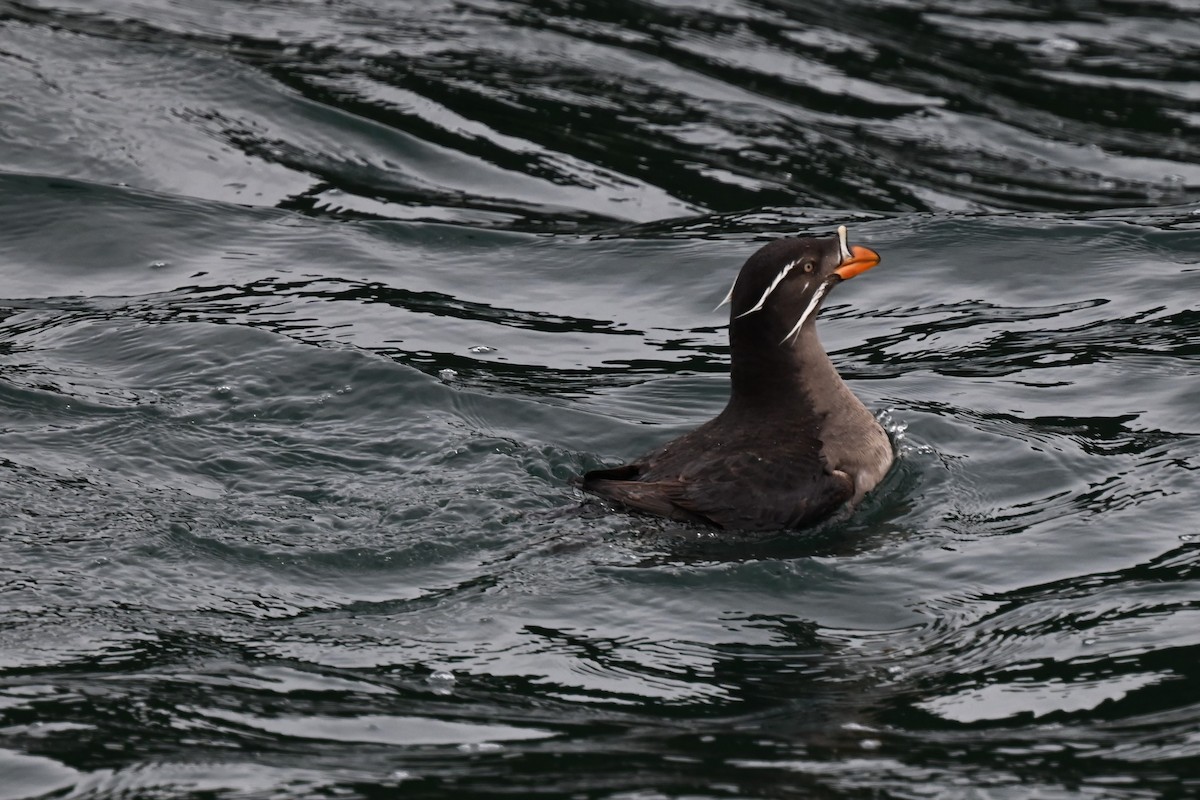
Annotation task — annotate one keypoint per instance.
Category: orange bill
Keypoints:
(861, 259)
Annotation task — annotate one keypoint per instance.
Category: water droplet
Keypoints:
(224, 391)
(870, 744)
(481, 348)
(1058, 45)
(447, 374)
(1186, 537)
(441, 682)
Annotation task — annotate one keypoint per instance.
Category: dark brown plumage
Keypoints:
(793, 444)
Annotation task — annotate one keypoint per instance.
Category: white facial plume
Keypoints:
(774, 284)
(812, 306)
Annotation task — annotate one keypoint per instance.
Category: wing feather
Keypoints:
(739, 501)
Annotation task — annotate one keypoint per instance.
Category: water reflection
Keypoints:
(548, 116)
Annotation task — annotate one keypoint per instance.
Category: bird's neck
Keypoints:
(768, 377)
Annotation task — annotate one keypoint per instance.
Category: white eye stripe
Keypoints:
(774, 284)
(728, 296)
(812, 305)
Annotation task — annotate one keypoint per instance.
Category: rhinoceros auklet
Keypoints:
(793, 444)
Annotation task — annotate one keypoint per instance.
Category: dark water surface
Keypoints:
(309, 310)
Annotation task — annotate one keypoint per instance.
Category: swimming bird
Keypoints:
(793, 444)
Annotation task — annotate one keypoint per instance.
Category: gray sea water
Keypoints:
(310, 310)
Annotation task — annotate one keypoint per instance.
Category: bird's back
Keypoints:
(730, 475)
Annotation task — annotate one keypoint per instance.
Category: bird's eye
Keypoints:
(809, 266)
